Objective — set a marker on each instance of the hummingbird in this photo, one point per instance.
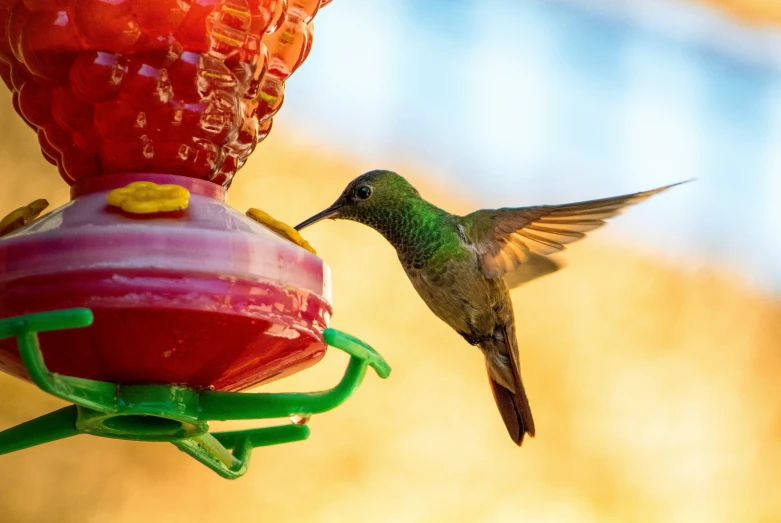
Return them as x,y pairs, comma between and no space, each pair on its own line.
463,266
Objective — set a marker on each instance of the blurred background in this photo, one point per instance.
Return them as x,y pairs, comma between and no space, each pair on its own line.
652,361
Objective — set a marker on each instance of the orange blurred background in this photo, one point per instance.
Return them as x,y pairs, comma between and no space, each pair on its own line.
654,387
761,12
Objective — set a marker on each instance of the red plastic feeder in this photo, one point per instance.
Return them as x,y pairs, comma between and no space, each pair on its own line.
146,305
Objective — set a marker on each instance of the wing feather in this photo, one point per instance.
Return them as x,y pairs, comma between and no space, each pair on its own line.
506,238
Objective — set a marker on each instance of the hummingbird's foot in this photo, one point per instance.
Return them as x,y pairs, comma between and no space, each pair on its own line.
474,339
281,228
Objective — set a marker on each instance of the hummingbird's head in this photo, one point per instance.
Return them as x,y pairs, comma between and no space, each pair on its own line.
368,199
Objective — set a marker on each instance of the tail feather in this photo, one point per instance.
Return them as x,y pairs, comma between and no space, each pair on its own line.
513,404
515,411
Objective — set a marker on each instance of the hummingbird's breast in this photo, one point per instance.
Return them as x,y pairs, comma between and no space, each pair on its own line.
443,266
455,290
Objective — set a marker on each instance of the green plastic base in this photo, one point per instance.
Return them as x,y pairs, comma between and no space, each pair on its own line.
169,413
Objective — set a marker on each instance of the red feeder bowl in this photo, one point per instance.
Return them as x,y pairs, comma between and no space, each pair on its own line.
205,297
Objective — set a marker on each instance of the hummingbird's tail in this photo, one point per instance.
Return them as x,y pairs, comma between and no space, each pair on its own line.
504,375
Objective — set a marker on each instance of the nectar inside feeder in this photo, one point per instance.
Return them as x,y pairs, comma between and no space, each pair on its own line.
146,300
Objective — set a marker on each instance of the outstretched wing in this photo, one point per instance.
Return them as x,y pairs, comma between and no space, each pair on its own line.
507,238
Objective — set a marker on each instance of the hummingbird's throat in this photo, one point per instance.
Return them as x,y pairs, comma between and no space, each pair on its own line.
417,230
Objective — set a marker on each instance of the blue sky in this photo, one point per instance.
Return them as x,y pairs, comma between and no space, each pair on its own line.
524,102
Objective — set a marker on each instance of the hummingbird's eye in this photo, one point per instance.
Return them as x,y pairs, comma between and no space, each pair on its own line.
363,192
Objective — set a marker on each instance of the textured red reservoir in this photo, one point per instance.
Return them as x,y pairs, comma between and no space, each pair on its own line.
174,86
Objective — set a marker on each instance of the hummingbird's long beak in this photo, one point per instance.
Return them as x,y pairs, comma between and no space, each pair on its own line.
322,215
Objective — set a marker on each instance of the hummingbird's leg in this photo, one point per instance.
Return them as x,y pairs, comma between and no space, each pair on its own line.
471,339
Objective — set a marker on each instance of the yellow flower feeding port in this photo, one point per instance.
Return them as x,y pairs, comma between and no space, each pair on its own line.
149,198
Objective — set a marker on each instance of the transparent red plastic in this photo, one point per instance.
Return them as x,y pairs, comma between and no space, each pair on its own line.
186,87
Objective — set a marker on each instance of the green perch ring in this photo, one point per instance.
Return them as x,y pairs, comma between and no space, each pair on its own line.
170,413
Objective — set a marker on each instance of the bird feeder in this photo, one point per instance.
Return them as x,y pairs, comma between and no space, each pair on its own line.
147,301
